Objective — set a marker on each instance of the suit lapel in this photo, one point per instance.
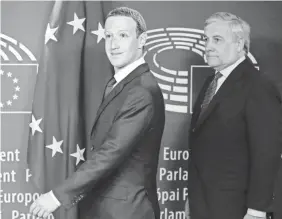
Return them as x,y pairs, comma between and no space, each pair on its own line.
226,88
119,87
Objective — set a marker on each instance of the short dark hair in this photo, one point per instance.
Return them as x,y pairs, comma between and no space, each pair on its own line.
135,15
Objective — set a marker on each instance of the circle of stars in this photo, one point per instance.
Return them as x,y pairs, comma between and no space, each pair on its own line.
16,88
51,36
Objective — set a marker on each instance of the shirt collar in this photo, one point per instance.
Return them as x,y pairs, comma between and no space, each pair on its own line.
226,72
121,74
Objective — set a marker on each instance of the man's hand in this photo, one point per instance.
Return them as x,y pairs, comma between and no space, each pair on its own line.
248,216
43,206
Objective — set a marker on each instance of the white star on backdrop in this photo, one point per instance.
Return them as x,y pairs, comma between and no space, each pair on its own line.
77,23
1,72
17,88
15,80
34,125
9,74
1,105
55,146
78,154
100,33
9,103
49,34
15,97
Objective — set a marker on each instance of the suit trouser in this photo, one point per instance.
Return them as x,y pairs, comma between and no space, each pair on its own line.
208,203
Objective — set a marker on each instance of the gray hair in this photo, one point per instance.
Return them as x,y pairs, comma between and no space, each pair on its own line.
135,15
239,27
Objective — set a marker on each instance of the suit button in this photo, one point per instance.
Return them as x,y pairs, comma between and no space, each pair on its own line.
193,130
92,148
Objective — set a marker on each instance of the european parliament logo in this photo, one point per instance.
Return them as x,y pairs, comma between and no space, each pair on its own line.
18,71
177,59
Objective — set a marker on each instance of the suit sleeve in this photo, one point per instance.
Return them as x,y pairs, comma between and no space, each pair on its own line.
264,130
131,123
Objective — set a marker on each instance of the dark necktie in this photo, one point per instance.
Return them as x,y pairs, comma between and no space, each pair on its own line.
109,86
210,92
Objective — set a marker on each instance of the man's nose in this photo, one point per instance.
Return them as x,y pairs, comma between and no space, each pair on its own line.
208,46
114,43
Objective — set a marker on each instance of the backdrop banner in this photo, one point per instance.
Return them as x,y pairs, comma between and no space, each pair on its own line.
40,63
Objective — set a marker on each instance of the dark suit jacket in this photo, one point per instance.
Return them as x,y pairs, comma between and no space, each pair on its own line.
277,206
118,179
236,144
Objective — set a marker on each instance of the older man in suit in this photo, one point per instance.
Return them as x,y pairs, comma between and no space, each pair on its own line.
236,130
118,179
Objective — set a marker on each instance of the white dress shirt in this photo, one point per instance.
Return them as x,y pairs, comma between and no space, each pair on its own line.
225,73
121,74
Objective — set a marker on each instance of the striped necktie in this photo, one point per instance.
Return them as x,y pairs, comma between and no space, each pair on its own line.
210,92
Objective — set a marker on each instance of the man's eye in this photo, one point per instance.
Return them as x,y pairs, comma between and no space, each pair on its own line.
123,35
217,40
205,39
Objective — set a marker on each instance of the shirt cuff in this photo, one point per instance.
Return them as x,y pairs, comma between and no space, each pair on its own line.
256,213
54,198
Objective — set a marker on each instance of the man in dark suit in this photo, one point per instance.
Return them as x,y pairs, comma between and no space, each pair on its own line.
236,130
118,179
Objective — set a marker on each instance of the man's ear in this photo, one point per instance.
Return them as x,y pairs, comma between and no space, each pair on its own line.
240,44
142,40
